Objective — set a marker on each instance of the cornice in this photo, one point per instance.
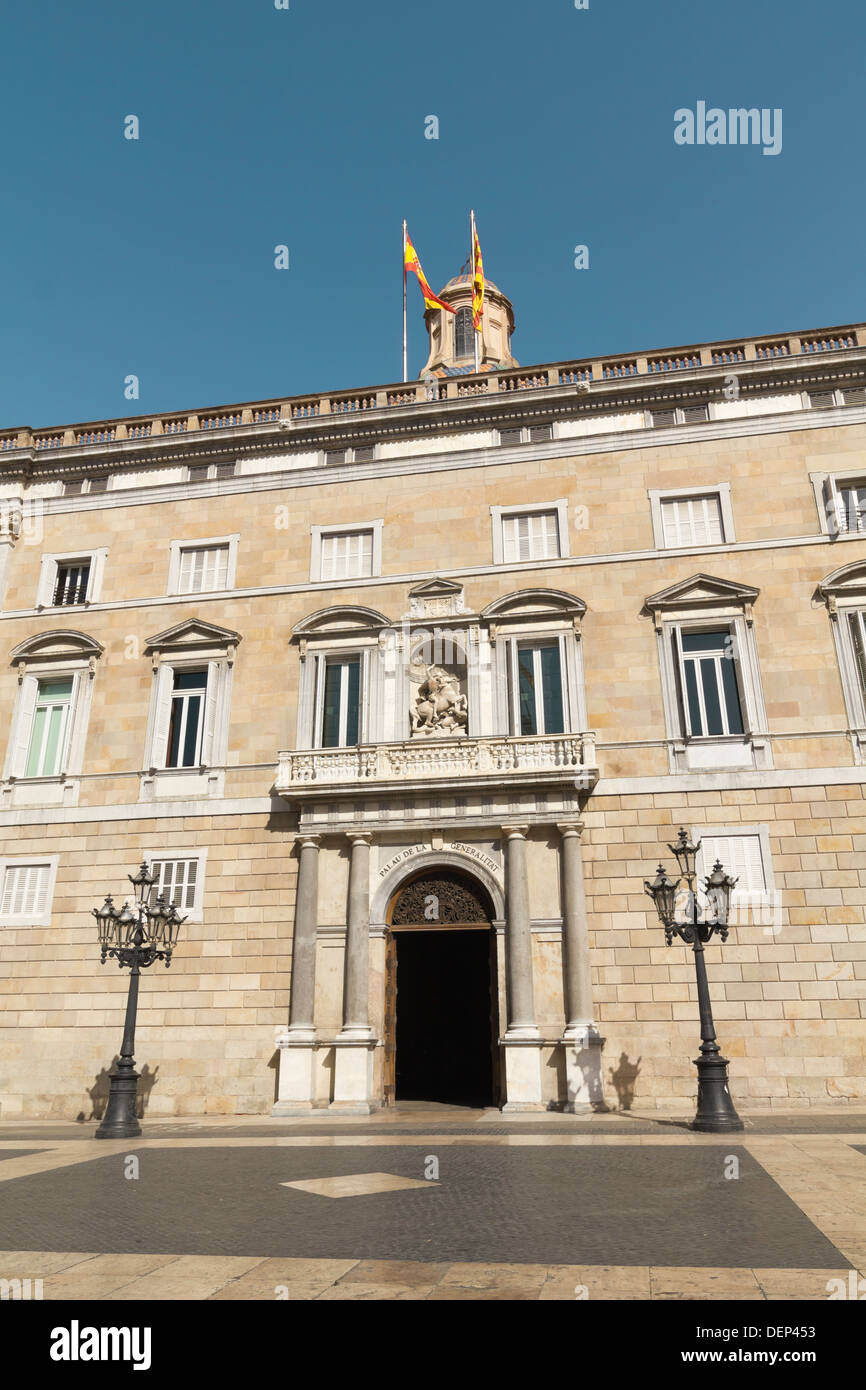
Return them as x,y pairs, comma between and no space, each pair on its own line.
647,437
419,417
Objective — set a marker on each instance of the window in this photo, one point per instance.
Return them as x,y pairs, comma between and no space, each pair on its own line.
692,516
663,418
49,735
537,688
851,509
531,536
347,555
205,566
464,334
71,579
45,749
844,592
537,433
70,586
709,682
340,701
26,891
512,435
180,876
201,472
175,882
346,552
692,520
203,569
857,630
523,533
186,724
186,742
714,709
537,666
745,855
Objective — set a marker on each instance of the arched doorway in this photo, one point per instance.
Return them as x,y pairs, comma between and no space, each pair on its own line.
441,1015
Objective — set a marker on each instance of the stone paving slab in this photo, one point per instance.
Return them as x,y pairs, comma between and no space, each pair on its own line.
628,1204
89,1277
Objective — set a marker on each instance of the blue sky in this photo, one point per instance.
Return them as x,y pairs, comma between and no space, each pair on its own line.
306,127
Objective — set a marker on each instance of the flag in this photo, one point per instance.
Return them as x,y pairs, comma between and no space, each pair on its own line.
411,262
477,280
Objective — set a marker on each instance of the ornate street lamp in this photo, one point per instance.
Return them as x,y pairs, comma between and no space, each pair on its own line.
680,915
137,936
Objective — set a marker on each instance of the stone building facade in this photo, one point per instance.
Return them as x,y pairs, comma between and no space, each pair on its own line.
403,692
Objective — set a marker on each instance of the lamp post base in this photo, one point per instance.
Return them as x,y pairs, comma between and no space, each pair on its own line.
715,1112
119,1121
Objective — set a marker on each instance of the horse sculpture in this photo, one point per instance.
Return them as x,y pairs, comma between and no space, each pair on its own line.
439,705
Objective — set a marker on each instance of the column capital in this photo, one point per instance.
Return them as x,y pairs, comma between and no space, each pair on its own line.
359,837
571,827
519,831
303,839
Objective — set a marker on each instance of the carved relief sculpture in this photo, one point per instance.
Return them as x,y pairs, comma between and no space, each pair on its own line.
439,707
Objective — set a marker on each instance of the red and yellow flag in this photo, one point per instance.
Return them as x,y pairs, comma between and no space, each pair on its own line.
477,281
411,262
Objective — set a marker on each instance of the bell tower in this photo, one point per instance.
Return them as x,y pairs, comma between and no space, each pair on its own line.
452,347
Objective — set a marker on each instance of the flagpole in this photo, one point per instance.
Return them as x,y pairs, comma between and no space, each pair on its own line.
405,359
472,281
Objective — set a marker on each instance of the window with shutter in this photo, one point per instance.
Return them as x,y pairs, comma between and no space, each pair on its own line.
176,881
662,418
203,569
742,856
511,436
25,890
692,521
530,536
347,555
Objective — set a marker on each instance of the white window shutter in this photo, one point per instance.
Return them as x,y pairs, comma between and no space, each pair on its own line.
20,740
162,715
47,580
834,508
71,729
210,707
681,669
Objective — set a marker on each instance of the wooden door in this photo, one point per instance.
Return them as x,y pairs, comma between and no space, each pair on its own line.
390,1061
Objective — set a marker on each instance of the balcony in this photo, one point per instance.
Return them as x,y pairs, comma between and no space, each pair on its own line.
448,764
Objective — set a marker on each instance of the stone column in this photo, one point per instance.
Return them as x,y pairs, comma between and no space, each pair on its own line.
581,1039
522,1042
353,1060
297,1045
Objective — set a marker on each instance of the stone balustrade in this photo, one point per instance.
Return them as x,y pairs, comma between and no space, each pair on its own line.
547,757
408,396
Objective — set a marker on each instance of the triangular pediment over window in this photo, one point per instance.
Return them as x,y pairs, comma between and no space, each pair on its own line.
534,603
57,645
192,634
341,619
849,582
702,591
435,588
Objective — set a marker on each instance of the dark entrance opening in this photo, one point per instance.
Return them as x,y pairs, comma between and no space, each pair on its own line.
444,1018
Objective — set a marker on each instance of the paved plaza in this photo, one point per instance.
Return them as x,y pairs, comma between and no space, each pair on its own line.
425,1202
